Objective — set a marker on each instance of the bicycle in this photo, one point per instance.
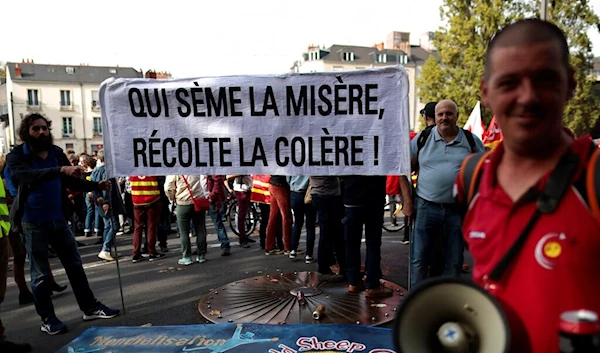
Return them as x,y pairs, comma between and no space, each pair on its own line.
252,218
391,223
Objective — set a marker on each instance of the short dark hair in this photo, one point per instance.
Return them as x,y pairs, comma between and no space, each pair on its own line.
26,123
524,32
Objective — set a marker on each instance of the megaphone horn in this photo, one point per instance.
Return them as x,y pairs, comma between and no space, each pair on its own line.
450,315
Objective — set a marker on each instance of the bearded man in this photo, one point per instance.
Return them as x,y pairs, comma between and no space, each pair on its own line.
43,174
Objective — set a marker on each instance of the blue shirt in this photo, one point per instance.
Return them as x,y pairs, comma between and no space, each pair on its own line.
12,189
44,203
298,183
439,164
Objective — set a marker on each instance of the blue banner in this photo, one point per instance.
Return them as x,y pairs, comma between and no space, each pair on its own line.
219,338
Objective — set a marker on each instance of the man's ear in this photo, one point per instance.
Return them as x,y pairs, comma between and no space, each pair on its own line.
484,91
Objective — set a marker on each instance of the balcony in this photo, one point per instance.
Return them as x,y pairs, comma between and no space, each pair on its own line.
97,133
34,106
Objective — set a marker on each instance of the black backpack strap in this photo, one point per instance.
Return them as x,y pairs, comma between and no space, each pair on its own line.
559,182
421,141
469,136
592,181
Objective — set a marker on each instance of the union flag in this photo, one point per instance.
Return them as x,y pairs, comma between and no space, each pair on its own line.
493,135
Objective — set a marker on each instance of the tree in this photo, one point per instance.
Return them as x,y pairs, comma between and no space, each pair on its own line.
461,45
575,18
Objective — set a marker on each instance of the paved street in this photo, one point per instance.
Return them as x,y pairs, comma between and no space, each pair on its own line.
162,292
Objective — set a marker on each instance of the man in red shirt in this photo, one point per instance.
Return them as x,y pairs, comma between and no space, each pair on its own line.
527,84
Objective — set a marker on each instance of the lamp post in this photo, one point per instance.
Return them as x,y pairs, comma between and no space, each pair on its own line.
544,10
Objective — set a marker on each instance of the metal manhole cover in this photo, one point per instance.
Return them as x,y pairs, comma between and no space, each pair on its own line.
274,299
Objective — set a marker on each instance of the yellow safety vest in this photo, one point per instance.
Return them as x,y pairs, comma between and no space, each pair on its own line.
4,215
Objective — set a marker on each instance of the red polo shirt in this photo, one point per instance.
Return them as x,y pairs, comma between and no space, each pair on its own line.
558,268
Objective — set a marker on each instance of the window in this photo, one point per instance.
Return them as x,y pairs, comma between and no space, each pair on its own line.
313,55
33,98
112,71
67,127
348,56
70,70
381,58
65,99
69,146
97,126
95,100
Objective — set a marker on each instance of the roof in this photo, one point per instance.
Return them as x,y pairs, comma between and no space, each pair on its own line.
419,55
58,73
362,55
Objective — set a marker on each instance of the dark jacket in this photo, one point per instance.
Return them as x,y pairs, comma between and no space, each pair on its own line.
362,190
279,180
24,177
216,189
113,197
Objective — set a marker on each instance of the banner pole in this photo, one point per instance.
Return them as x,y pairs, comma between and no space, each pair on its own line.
119,276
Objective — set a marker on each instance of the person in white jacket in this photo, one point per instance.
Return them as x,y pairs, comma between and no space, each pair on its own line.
180,189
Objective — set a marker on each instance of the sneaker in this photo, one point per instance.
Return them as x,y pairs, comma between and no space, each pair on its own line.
356,289
137,258
404,241
293,254
105,255
53,326
273,252
12,347
379,292
226,252
156,256
244,245
100,312
309,259
286,252
164,248
185,261
201,259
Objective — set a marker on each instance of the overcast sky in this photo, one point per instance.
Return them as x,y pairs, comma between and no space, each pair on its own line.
201,38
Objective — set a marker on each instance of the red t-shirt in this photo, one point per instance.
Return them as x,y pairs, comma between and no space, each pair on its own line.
558,268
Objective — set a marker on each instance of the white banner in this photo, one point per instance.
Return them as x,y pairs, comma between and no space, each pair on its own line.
334,123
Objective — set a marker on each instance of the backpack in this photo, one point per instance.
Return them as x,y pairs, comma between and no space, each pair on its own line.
470,173
427,132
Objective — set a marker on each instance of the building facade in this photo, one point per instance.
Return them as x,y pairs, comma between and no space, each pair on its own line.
66,95
396,50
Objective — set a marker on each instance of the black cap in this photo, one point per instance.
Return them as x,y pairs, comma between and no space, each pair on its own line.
429,110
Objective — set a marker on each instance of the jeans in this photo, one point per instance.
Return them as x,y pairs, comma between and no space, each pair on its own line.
371,216
37,236
243,202
330,211
185,217
300,211
90,212
111,227
430,219
280,205
217,217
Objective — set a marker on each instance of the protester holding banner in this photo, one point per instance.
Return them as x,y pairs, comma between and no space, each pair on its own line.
216,195
43,174
532,218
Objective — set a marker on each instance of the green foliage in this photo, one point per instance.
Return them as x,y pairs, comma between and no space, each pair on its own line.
470,24
575,18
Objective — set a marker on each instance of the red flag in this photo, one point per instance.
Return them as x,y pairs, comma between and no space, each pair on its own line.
493,136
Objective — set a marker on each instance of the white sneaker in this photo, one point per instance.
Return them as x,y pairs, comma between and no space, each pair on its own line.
293,254
105,255
309,259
